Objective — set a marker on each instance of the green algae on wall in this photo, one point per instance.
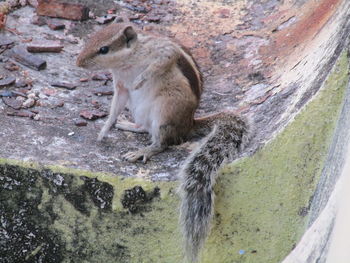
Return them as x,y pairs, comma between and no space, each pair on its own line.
263,200
62,217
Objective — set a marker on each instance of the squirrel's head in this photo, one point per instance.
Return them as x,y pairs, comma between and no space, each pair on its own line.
108,47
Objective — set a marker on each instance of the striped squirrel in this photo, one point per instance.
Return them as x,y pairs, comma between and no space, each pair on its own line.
162,84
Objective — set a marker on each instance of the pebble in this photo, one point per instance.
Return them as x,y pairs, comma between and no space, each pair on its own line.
65,85
30,102
12,102
11,66
80,123
103,91
38,20
22,113
6,93
92,114
55,24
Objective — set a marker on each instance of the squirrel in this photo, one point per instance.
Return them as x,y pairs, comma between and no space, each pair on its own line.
162,83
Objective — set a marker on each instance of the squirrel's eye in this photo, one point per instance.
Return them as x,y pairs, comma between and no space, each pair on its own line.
104,50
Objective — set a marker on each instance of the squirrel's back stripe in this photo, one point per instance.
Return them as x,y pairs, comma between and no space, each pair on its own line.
189,68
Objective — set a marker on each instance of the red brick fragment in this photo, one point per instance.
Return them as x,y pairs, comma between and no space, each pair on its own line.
22,113
21,55
80,123
45,46
92,114
55,24
54,8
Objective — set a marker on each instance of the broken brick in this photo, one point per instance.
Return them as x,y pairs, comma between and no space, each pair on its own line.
12,102
54,8
80,123
55,24
11,66
21,55
92,114
45,46
7,81
64,85
21,113
103,91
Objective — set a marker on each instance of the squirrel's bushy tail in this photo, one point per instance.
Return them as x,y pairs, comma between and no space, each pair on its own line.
228,136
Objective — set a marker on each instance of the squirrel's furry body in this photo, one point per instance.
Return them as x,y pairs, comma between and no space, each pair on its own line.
162,85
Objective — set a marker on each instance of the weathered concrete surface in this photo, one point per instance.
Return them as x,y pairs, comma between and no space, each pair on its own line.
266,59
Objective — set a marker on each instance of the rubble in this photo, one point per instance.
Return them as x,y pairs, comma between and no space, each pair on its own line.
80,123
64,85
103,91
21,55
12,102
21,113
55,24
11,66
54,8
38,20
45,46
92,114
30,102
7,81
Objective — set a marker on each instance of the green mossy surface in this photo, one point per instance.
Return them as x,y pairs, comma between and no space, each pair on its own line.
261,206
263,201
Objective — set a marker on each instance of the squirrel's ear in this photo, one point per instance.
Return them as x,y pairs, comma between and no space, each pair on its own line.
130,35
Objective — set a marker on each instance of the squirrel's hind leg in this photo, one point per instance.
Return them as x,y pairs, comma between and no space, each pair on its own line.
164,135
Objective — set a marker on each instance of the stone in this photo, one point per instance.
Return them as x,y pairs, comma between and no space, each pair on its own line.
49,92
20,83
12,102
33,3
7,81
64,85
102,91
80,123
22,113
11,66
30,102
55,24
45,46
4,41
38,20
100,76
153,18
21,55
54,8
92,114
6,93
